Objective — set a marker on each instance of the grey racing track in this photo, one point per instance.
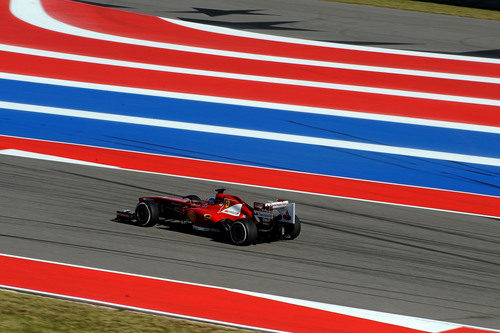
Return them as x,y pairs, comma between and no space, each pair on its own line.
395,259
410,261
333,22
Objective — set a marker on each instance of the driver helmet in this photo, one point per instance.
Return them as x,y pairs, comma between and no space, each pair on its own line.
211,201
219,197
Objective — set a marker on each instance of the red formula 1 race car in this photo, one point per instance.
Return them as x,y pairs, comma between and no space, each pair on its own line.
226,214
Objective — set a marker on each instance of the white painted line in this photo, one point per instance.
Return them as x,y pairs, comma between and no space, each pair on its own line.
27,154
421,324
256,104
254,78
254,134
218,181
32,12
255,35
427,325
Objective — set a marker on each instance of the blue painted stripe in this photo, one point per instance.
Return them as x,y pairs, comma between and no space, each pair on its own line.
333,127
314,159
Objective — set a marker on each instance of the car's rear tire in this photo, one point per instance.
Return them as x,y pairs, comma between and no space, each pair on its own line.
292,231
243,232
147,213
279,231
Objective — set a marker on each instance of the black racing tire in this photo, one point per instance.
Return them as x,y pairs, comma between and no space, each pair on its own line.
243,232
279,231
224,227
147,213
193,197
292,231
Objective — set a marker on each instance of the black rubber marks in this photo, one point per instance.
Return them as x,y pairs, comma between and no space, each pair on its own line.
100,4
223,12
274,25
254,25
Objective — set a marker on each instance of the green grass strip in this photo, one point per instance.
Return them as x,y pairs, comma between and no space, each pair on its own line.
427,7
21,312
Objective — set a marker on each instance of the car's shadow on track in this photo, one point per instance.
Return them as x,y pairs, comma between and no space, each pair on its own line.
186,228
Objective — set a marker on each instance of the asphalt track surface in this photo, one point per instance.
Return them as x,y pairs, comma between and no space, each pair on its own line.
394,259
388,258
333,22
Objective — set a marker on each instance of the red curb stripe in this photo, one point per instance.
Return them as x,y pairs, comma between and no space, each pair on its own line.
112,21
304,73
249,90
280,179
180,298
47,40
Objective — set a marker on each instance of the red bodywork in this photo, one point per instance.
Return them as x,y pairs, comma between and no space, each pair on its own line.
225,213
203,213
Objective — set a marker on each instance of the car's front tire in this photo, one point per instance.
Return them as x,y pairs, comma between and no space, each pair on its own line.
243,232
147,213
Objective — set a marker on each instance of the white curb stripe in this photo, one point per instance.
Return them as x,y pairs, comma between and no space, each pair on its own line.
53,158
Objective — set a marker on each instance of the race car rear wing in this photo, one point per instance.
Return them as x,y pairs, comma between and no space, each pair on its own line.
264,211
